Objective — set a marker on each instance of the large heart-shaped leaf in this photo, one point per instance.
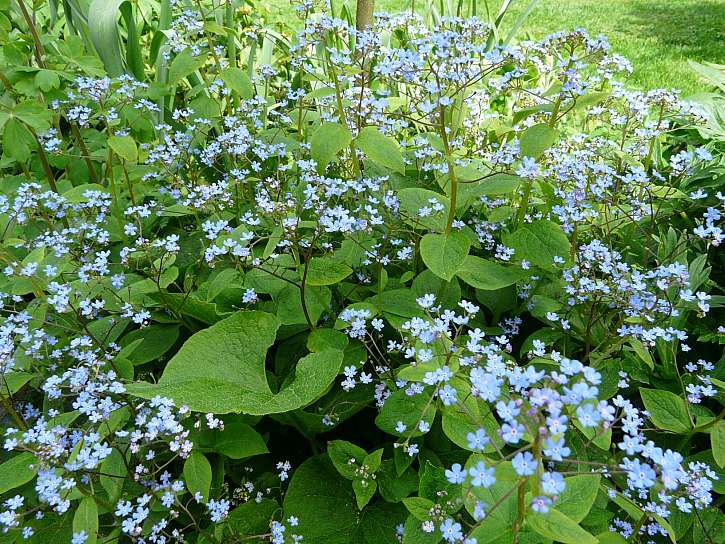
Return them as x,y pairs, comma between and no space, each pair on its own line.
380,148
537,139
667,410
539,242
326,507
198,474
326,271
444,254
17,471
488,275
327,141
559,527
221,369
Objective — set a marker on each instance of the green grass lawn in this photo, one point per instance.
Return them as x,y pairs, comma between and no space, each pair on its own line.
657,36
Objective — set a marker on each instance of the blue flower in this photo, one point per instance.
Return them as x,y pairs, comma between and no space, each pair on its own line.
451,530
541,504
448,395
478,440
456,475
512,433
481,476
588,415
552,483
556,449
524,464
639,475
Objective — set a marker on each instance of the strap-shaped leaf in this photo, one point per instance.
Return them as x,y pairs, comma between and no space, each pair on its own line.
103,28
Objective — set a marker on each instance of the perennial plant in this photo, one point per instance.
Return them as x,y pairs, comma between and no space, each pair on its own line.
406,284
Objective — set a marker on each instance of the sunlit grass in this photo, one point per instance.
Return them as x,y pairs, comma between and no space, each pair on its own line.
658,36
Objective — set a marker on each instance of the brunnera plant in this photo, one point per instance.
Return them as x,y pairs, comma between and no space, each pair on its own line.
401,284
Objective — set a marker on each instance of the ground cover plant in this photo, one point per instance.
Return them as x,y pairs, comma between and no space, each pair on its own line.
422,282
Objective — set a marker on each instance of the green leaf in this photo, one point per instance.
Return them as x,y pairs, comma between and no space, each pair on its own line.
34,114
419,507
18,470
189,305
498,184
473,184
413,533
502,492
537,139
229,278
410,410
197,474
325,504
233,377
47,80
184,64
76,195
642,352
11,382
414,199
124,147
323,501
113,474
321,339
373,460
103,30
395,486
17,140
346,457
402,460
156,340
364,491
488,275
289,304
710,522
238,440
399,302
252,517
238,81
469,416
86,519
711,72
326,142
444,255
667,410
717,439
447,293
539,242
559,527
326,271
578,496
630,507
610,538
602,440
493,532
380,148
